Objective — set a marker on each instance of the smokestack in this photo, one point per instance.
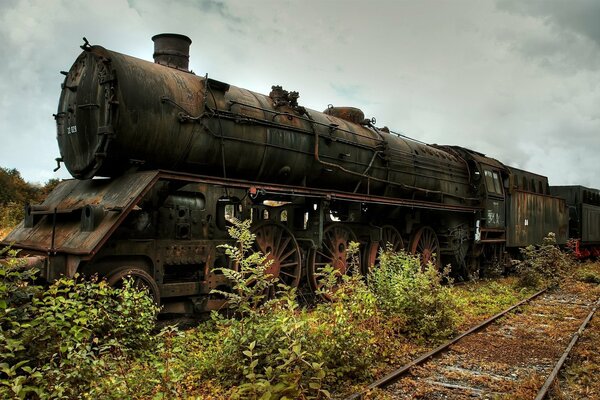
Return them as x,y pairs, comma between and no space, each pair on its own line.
172,50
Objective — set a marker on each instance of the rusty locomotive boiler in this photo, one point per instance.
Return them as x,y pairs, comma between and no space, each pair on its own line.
175,156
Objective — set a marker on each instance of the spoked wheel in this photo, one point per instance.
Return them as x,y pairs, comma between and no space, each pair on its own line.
334,251
390,238
141,280
425,243
280,246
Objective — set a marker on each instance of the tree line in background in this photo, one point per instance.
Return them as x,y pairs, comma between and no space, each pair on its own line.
15,193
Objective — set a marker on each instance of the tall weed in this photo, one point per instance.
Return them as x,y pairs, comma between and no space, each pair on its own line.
543,265
424,307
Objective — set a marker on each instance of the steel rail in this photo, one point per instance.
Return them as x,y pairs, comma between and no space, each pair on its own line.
544,390
394,375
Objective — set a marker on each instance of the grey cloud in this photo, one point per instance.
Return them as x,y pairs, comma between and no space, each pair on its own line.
580,16
563,37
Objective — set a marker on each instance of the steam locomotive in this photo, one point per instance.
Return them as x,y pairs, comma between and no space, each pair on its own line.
176,157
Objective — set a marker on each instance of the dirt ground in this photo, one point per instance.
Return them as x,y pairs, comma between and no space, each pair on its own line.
579,378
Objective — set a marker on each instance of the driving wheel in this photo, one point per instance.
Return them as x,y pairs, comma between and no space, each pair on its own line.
141,280
333,251
278,243
390,240
426,245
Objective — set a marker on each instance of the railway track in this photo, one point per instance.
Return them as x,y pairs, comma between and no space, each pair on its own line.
514,354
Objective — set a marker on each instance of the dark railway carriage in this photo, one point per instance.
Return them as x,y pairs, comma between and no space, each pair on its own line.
176,156
533,210
584,218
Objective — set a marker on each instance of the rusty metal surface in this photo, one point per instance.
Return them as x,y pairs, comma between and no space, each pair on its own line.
528,181
172,50
576,194
532,216
116,110
495,212
475,155
115,198
316,193
351,114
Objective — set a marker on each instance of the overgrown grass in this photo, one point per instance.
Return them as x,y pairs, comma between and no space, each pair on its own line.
272,348
588,272
482,299
543,265
84,339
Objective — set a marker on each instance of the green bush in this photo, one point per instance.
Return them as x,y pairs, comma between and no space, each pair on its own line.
277,349
18,375
543,265
53,340
414,296
162,372
343,335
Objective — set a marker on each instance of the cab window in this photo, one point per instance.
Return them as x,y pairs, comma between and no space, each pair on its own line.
497,185
492,181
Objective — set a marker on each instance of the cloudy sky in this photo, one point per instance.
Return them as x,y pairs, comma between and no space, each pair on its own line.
518,80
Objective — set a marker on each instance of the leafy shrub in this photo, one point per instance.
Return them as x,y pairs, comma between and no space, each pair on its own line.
277,349
17,373
52,340
250,281
542,265
424,307
15,192
343,336
159,373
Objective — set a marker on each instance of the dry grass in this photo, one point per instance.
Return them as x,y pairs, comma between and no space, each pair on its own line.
579,377
4,232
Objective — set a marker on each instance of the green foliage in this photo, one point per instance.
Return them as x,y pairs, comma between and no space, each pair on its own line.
83,339
52,341
543,265
486,298
278,350
158,373
11,214
250,282
588,274
345,328
424,308
14,188
15,192
18,375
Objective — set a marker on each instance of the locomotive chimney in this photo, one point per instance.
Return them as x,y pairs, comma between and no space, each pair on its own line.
172,50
